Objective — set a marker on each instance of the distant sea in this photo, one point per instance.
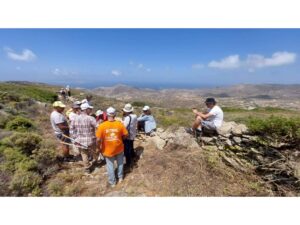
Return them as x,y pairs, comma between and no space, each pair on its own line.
139,85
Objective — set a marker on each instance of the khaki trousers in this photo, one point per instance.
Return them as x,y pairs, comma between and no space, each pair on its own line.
86,153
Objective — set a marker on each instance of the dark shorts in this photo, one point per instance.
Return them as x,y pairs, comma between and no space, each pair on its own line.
209,125
62,138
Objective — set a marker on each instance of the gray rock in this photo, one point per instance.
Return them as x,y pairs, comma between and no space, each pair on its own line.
237,140
158,142
228,142
239,129
207,139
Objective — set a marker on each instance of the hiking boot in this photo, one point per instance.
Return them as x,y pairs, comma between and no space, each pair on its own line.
121,180
189,130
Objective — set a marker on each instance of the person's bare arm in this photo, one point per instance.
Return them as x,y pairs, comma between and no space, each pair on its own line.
202,115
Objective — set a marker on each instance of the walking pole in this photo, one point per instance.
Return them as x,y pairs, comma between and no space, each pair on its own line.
81,145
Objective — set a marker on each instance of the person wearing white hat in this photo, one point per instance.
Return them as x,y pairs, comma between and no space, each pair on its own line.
100,117
82,130
130,122
110,135
146,121
61,128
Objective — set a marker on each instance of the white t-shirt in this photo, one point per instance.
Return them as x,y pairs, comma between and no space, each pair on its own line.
57,118
216,116
72,116
132,127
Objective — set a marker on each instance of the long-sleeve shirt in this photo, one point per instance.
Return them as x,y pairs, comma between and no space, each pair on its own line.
150,123
83,128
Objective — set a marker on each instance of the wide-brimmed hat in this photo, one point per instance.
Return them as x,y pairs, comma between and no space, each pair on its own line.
85,106
128,108
146,108
59,104
111,111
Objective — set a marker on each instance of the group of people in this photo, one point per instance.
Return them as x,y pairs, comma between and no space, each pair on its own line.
100,134
65,92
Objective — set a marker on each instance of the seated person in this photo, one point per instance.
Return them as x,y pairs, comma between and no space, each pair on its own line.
210,121
146,121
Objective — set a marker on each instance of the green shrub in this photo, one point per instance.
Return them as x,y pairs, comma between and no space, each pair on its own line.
276,128
12,157
20,124
25,182
139,104
45,157
25,142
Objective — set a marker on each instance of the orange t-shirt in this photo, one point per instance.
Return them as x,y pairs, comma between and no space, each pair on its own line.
111,133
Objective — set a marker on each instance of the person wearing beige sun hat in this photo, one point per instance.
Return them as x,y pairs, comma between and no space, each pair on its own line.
61,128
130,122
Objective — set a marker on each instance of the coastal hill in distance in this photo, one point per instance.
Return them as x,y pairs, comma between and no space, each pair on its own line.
242,95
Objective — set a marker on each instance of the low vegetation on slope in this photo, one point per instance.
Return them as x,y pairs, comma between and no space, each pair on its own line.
28,164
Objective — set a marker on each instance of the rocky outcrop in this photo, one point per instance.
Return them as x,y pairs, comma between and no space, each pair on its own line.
241,150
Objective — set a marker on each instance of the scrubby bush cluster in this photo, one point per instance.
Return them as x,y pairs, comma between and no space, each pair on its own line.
20,124
25,162
278,129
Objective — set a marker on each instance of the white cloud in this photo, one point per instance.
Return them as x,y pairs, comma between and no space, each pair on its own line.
18,68
62,72
254,61
26,55
131,62
116,73
230,62
140,66
277,59
148,70
197,66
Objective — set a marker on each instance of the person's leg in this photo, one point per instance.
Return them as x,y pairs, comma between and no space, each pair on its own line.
85,157
110,170
127,152
197,123
120,162
133,154
141,126
94,153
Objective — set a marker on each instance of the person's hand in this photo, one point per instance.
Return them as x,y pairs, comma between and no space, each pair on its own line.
195,111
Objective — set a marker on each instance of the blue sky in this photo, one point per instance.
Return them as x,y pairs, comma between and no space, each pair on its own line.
150,57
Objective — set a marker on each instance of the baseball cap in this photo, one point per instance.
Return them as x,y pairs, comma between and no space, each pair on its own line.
99,112
146,108
59,104
111,111
85,106
128,108
75,106
210,100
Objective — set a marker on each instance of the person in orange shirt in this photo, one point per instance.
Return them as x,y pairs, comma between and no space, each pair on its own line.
110,135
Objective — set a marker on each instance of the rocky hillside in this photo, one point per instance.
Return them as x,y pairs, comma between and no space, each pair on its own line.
259,160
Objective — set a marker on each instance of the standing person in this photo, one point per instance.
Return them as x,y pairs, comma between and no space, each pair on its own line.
61,129
83,132
100,117
110,135
130,122
63,93
68,90
87,99
211,120
74,111
146,121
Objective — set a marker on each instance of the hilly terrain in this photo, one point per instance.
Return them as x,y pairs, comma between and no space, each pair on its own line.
256,154
243,96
